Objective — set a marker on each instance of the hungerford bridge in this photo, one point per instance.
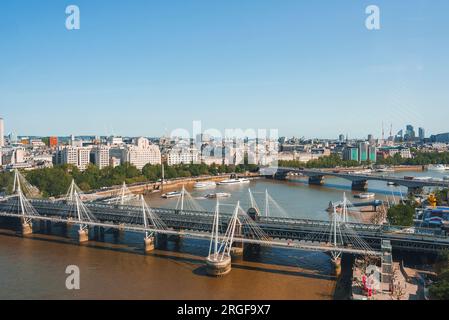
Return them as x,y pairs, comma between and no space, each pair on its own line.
358,181
227,232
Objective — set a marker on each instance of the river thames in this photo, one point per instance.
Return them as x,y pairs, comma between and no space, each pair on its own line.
114,267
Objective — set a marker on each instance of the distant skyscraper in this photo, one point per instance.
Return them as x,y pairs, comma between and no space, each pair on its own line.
422,134
409,133
2,133
341,137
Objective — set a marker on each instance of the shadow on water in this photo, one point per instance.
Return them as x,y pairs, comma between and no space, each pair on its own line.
191,251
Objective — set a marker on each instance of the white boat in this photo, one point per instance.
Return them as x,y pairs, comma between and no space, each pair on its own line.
367,195
385,170
233,181
204,185
438,167
422,178
171,194
391,183
218,195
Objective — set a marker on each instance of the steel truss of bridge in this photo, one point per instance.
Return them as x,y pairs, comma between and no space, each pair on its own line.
283,232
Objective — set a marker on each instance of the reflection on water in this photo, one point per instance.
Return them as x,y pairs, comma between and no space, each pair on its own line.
113,264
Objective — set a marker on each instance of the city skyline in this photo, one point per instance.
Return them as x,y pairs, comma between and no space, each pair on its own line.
418,133
146,69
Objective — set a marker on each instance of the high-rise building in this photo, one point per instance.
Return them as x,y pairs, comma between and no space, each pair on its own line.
100,156
77,156
2,133
363,151
351,153
421,134
341,137
409,133
53,142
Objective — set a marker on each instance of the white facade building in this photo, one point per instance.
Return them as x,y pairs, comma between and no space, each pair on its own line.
2,133
183,156
77,156
141,153
101,156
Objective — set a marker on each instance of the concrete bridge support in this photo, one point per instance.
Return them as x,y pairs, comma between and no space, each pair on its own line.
149,243
161,240
359,185
316,180
83,235
27,228
218,267
337,266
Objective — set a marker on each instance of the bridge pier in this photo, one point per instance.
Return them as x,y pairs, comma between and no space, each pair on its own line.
359,185
336,262
27,228
217,267
83,235
149,243
161,240
316,180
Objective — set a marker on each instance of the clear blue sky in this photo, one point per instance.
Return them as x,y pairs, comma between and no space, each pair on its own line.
307,68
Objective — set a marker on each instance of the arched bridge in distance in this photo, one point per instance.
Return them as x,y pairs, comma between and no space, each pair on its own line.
358,181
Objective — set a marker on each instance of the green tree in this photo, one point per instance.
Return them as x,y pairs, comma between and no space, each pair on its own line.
440,289
401,215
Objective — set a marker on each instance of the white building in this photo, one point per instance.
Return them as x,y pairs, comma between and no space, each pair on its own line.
77,156
115,141
100,156
183,156
141,153
2,133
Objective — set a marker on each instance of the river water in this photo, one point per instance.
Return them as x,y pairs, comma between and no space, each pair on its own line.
113,266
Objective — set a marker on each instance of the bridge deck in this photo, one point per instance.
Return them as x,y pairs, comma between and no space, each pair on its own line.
286,229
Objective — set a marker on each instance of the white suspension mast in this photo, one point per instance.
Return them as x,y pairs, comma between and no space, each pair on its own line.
122,198
266,203
214,234
144,212
16,175
335,227
182,197
230,239
78,209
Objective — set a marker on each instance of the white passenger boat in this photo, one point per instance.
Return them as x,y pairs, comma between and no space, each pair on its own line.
438,167
172,194
205,185
233,181
366,195
422,178
218,195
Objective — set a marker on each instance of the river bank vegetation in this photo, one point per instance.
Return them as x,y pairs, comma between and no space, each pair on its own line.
401,215
335,160
56,181
439,290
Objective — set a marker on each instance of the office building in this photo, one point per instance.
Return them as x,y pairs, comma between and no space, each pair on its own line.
100,156
2,133
77,156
